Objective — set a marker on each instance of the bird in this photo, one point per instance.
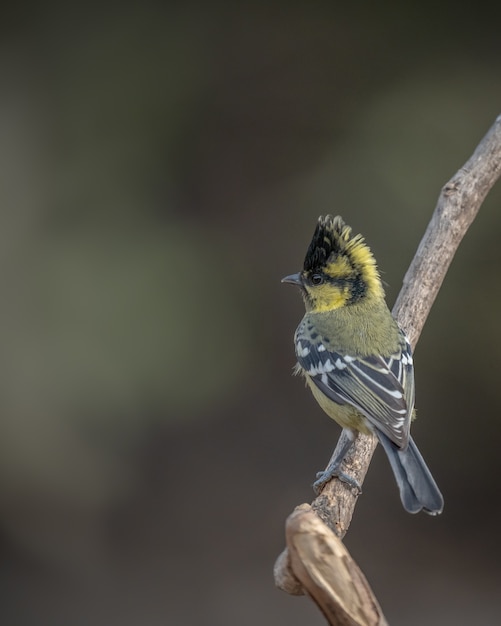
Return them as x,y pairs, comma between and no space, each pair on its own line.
357,361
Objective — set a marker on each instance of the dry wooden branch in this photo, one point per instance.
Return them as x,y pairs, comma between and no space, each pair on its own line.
326,570
458,204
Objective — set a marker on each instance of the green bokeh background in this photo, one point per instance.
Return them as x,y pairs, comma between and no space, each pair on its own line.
163,165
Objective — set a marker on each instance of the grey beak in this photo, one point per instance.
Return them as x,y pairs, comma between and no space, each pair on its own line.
293,279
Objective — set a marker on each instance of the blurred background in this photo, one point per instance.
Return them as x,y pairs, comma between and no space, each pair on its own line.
163,165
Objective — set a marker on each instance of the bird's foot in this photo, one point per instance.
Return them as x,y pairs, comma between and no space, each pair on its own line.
324,477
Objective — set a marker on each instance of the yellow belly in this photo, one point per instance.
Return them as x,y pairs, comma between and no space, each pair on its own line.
344,414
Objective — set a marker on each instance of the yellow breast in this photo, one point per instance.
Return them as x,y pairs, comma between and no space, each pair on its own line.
344,414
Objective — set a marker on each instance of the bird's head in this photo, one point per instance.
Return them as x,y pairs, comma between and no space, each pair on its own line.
339,270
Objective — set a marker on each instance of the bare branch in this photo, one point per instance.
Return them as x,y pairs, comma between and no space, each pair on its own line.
458,204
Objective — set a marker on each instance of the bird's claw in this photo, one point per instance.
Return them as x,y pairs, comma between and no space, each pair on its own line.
324,477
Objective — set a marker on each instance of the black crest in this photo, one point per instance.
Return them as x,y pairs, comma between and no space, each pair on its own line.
329,239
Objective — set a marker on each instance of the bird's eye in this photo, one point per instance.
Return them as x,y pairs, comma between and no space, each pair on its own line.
317,279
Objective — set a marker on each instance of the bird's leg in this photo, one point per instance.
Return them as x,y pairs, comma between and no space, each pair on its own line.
333,469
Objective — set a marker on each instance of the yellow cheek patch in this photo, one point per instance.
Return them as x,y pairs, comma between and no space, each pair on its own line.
327,297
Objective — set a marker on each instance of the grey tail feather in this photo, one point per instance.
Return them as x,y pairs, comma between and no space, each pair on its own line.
418,489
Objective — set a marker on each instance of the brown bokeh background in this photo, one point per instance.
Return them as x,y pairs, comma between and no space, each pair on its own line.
163,165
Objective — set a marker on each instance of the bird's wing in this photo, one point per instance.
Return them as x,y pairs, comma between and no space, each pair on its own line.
381,388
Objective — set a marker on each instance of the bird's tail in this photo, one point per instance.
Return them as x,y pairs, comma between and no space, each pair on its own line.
418,489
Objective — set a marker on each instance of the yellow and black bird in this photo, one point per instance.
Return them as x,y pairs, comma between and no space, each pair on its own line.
357,361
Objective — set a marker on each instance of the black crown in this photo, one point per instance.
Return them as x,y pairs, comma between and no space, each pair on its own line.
328,241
